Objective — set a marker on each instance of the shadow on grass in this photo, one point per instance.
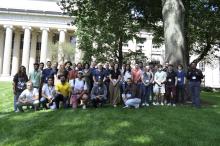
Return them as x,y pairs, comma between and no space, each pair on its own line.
108,126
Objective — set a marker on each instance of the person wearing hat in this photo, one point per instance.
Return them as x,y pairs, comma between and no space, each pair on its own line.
79,91
35,76
99,94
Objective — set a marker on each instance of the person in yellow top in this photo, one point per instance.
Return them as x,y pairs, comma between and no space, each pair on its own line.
63,91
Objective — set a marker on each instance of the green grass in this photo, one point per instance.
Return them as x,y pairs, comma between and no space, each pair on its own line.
160,126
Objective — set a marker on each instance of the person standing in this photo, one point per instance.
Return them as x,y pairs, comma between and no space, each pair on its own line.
47,72
35,76
159,87
181,81
136,77
195,77
114,87
147,80
170,86
19,85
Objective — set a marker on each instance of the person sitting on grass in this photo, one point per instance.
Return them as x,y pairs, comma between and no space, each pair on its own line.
130,95
29,97
48,94
79,91
99,94
63,91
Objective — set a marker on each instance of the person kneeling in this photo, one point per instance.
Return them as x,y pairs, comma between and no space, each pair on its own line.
48,94
29,97
99,94
79,91
130,95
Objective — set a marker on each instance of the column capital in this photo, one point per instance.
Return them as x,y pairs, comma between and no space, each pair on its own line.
26,27
45,28
8,26
62,29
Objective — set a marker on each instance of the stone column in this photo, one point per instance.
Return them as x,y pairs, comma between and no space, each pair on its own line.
62,38
7,50
44,39
16,53
50,41
26,47
2,37
33,51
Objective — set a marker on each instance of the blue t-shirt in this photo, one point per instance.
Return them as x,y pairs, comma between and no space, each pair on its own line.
99,74
48,72
180,77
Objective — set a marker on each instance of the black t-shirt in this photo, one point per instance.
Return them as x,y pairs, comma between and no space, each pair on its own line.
20,82
170,80
114,75
195,75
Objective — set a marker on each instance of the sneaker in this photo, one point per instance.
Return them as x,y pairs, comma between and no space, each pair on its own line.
136,106
174,105
126,106
84,106
154,103
143,104
157,103
168,104
114,105
147,104
17,111
162,104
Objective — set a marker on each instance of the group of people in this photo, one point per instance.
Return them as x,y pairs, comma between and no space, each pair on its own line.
81,85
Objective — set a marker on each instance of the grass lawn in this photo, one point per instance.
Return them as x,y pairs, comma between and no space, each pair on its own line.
160,126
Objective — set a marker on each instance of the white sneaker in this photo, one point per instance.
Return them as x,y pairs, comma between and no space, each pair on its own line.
174,105
157,103
143,104
168,104
115,105
154,103
147,104
136,106
162,104
84,106
126,106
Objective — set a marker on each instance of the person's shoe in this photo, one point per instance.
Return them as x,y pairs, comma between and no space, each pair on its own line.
114,105
136,106
17,111
154,103
162,104
157,103
84,106
143,104
126,106
174,105
147,104
168,104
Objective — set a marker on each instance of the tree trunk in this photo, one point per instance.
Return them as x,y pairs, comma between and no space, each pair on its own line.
120,55
173,18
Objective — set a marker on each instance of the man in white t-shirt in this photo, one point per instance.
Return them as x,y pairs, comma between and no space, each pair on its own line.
79,91
159,87
29,97
48,94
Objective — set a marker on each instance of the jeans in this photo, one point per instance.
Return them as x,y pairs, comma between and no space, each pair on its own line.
180,93
58,98
146,94
133,102
16,96
195,93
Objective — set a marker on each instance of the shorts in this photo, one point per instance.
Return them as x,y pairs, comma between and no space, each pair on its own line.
159,89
